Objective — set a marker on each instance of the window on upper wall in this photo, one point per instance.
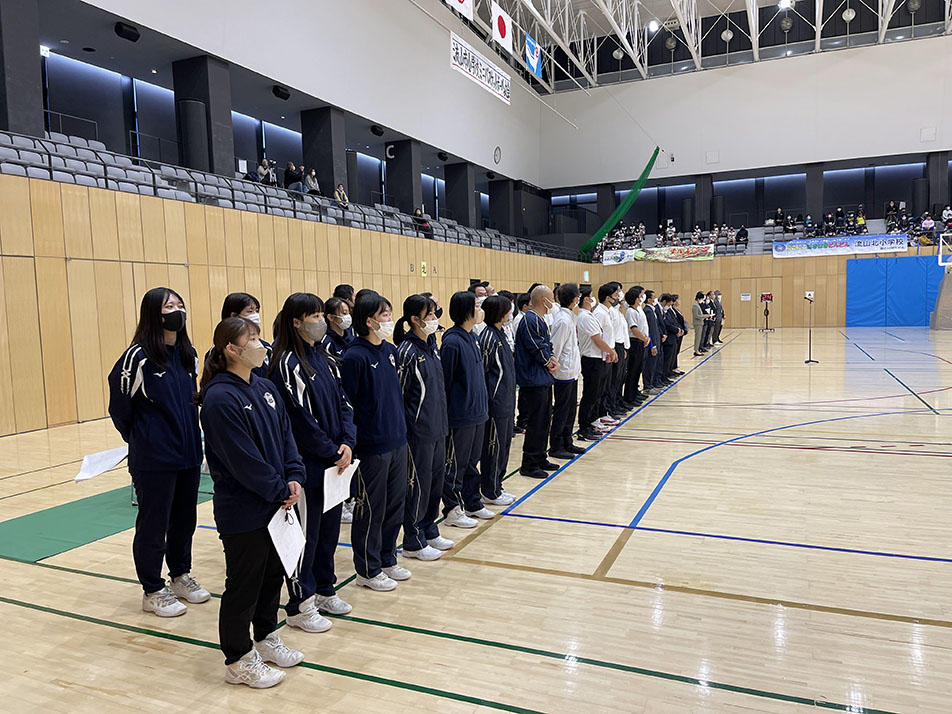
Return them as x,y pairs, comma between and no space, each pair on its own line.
894,183
789,193
246,132
428,191
740,202
368,180
844,188
156,135
281,146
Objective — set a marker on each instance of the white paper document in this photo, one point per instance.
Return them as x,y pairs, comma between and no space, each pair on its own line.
337,486
101,462
288,538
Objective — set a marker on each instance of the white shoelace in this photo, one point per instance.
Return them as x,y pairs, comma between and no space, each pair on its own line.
188,582
165,597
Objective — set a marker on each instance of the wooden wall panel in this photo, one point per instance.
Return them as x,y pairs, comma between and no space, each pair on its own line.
195,239
16,219
278,253
215,235
154,243
76,226
52,300
202,310
102,219
85,342
257,235
8,423
176,244
116,317
232,222
129,220
46,206
26,354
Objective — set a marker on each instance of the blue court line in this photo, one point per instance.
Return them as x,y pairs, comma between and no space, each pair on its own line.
856,345
911,391
896,336
562,468
718,536
664,479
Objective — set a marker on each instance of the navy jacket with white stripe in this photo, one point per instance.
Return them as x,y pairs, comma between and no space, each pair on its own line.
151,406
533,352
321,417
500,370
424,394
466,401
250,451
369,377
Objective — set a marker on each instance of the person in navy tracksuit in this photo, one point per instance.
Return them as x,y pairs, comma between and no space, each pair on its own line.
467,408
500,371
150,402
257,471
339,331
424,402
322,422
534,367
369,377
246,306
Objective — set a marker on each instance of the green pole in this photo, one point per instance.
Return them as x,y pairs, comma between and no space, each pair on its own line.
585,252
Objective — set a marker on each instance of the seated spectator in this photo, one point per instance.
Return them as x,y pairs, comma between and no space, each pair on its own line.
311,184
892,210
731,235
696,235
713,235
947,215
340,195
293,177
266,173
861,211
903,221
809,227
672,234
927,227
788,225
892,223
829,225
743,236
778,217
840,217
422,224
861,224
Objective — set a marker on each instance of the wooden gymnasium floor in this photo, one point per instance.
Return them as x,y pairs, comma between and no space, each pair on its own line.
762,537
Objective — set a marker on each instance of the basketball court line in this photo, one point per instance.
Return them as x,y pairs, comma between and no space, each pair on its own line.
656,674
800,447
856,345
894,336
689,429
671,469
911,391
42,468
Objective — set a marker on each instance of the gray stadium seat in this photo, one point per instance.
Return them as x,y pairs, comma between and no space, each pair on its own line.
12,169
85,180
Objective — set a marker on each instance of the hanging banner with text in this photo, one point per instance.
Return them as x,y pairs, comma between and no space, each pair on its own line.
671,254
468,61
842,245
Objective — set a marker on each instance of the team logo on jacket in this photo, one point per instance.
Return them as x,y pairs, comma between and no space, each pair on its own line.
269,399
393,362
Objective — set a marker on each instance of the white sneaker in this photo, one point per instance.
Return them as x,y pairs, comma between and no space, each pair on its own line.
483,513
347,512
441,543
272,649
611,421
187,588
308,618
427,553
252,670
397,572
505,499
379,582
601,428
331,604
163,603
457,518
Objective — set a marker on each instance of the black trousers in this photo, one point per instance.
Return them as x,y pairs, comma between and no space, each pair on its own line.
670,352
378,510
593,372
648,370
494,458
716,337
565,403
539,418
425,475
461,487
253,579
165,524
521,413
618,377
706,335
322,532
677,351
636,360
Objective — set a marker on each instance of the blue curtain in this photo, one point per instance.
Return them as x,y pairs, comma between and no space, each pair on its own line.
891,292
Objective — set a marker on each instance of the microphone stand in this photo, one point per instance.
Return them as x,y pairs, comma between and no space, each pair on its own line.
809,359
766,327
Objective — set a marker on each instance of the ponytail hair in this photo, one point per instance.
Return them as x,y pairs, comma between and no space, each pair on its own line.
228,332
414,306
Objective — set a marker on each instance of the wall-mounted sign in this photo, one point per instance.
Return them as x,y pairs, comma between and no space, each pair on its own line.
745,297
466,60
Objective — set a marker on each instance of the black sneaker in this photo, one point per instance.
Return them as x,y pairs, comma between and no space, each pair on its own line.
573,449
534,473
549,466
587,436
519,430
561,454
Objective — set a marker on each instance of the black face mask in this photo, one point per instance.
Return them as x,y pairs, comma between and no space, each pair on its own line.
174,321
438,312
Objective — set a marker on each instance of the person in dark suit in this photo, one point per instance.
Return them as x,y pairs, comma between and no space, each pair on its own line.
672,331
659,365
653,354
718,318
682,324
707,308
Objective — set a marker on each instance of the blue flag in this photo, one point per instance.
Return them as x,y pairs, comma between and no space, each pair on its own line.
533,57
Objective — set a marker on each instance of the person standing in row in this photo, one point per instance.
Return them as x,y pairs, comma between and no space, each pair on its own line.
534,368
467,407
606,298
622,345
653,355
322,422
638,329
683,330
596,356
565,351
339,333
256,469
424,410
522,305
370,381
150,403
248,307
500,372
718,318
672,331
697,320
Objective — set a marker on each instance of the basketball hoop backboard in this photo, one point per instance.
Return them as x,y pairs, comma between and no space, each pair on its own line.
944,254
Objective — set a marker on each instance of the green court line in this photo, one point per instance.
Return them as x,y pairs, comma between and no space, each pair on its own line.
445,694
603,664
42,534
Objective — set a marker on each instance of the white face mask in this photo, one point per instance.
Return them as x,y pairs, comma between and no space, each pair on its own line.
552,309
385,329
479,301
430,326
345,322
254,317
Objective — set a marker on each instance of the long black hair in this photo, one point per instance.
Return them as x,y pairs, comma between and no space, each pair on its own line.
150,335
235,303
227,332
286,335
366,306
413,306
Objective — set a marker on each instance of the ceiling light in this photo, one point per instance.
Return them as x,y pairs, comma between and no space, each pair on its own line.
785,4
786,24
155,71
44,51
653,26
727,35
282,116
89,49
64,42
848,15
618,54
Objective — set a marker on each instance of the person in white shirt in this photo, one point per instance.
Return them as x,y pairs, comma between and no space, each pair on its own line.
481,290
596,356
565,350
618,338
638,330
606,296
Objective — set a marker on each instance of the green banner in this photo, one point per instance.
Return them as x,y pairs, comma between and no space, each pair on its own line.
585,252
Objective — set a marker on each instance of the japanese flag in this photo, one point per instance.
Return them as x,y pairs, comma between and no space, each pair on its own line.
463,7
502,27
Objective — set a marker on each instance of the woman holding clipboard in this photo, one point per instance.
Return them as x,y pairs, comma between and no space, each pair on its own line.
322,421
256,469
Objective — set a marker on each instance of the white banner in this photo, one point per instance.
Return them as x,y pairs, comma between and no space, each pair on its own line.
842,245
468,61
463,7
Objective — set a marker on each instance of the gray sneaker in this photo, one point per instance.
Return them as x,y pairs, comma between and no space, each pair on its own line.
252,670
